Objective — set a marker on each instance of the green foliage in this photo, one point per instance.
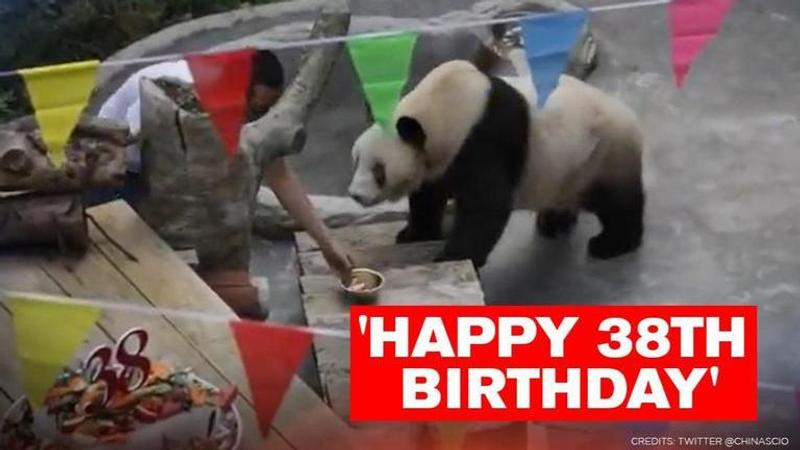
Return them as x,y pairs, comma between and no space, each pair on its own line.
70,30
48,32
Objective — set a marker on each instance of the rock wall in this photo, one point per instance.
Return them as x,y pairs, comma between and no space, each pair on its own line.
339,117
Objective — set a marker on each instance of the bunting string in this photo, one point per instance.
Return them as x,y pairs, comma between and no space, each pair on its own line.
378,34
216,318
158,311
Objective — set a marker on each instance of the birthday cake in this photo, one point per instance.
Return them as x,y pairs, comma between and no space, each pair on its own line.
147,407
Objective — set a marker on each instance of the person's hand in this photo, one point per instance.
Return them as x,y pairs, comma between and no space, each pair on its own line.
338,260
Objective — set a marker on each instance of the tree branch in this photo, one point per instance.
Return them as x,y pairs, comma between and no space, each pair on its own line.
282,130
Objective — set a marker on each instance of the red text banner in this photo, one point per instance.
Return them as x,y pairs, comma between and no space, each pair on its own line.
422,363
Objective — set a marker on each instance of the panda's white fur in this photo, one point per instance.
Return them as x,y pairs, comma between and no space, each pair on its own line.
437,101
573,138
580,136
583,151
376,147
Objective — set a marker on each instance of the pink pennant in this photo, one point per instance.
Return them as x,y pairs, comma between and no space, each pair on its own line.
693,23
221,81
270,355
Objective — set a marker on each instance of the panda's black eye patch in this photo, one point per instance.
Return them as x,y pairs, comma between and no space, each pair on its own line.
379,173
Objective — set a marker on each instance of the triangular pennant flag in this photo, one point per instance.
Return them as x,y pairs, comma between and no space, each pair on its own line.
58,95
451,435
549,40
270,355
47,335
693,24
221,81
383,66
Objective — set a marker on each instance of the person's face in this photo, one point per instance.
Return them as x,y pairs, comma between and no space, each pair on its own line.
262,98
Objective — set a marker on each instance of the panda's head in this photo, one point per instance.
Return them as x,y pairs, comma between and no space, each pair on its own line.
429,127
387,165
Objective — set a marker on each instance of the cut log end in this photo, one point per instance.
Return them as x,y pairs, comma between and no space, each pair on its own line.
15,161
44,219
95,158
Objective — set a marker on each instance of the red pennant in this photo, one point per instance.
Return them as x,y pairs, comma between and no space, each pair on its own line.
270,355
693,23
221,81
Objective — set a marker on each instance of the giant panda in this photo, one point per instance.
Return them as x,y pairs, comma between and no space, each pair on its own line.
480,140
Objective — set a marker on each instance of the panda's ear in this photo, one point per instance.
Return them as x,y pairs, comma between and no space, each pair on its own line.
411,132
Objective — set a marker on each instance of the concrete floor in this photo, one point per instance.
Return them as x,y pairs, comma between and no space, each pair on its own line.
723,182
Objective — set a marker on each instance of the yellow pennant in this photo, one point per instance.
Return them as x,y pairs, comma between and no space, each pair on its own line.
451,435
59,94
47,335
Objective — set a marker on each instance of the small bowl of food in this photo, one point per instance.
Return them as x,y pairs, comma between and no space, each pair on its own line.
364,284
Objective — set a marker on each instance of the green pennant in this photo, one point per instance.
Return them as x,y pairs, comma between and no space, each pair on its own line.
383,64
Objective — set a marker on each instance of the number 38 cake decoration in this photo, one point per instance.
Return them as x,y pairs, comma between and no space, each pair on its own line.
118,399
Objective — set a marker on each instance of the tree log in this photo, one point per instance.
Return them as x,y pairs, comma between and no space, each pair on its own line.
282,131
199,197
95,158
33,219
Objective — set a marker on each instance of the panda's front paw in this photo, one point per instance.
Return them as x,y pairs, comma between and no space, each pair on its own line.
413,234
443,256
607,246
405,235
477,261
552,223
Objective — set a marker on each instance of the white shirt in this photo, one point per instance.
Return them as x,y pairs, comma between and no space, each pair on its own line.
124,104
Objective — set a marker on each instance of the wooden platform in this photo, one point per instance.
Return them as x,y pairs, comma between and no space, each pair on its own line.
411,279
157,278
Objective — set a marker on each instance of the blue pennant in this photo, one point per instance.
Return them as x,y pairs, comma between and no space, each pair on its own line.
549,40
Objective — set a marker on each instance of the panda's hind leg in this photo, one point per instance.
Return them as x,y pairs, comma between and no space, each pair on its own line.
552,223
620,208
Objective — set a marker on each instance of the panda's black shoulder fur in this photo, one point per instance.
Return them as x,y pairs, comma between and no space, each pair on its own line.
482,179
500,137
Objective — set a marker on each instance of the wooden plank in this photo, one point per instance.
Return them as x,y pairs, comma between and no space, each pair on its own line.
450,283
376,258
21,272
93,276
9,365
362,236
161,277
411,278
274,441
164,281
334,371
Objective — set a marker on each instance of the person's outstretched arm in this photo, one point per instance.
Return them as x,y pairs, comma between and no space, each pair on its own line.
282,180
